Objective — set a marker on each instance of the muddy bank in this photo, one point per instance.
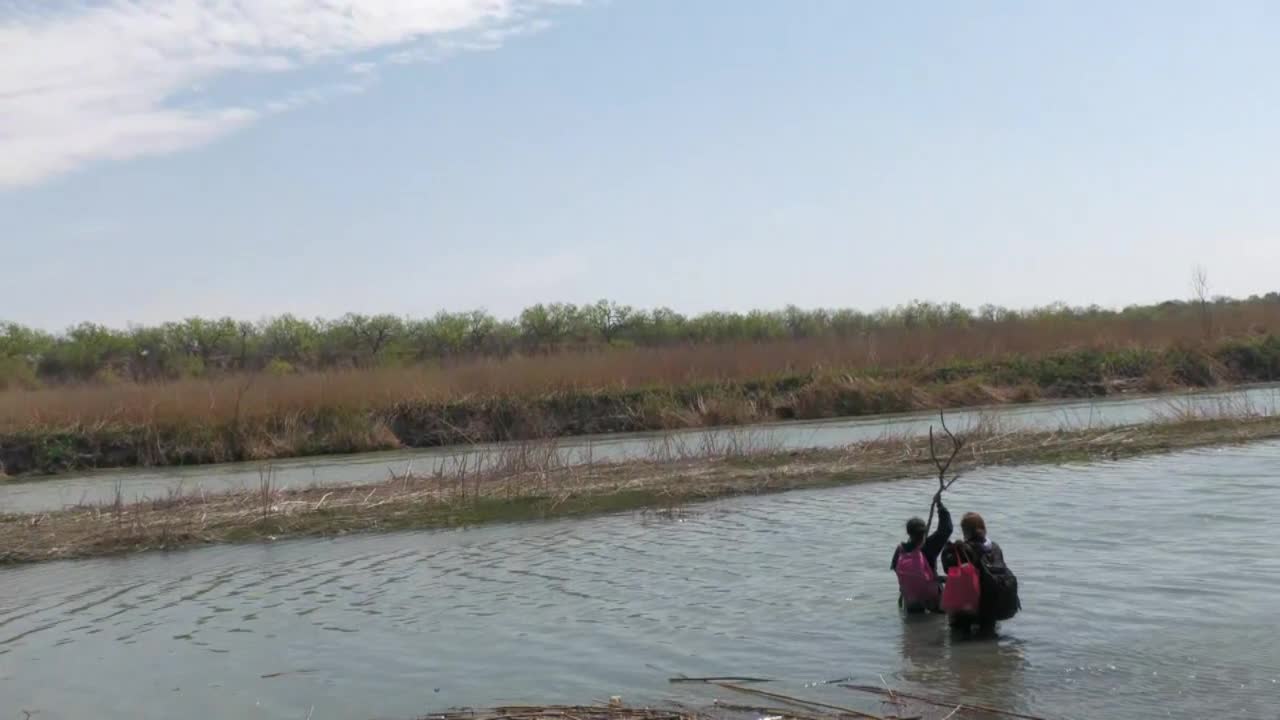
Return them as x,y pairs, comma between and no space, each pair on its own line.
39,449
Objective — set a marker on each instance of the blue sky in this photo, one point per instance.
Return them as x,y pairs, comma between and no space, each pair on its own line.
160,159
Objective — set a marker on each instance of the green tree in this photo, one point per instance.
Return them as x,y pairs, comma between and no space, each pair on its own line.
21,351
608,319
542,327
88,350
290,339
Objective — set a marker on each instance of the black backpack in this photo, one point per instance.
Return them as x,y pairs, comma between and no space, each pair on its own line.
999,590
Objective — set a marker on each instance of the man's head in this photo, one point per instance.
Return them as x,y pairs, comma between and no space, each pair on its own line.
973,527
915,529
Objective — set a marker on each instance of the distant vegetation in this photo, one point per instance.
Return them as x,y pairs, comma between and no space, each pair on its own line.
204,391
919,332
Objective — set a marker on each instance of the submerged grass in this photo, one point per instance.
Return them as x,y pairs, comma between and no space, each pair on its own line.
535,481
264,417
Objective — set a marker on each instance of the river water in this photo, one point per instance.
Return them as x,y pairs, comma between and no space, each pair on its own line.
42,495
1148,584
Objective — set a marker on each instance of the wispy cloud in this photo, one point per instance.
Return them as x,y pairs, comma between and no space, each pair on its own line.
91,80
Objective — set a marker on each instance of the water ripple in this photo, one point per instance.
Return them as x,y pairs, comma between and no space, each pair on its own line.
1148,585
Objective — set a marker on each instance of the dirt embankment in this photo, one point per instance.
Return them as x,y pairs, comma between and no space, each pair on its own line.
336,428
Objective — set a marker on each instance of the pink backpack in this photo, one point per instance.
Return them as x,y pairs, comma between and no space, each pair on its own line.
963,591
916,581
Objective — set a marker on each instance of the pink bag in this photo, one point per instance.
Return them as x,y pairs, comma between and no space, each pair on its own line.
916,581
963,591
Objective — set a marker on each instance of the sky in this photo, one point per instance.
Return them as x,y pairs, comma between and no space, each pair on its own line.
167,158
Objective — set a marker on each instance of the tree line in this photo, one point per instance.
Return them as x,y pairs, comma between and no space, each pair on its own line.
200,346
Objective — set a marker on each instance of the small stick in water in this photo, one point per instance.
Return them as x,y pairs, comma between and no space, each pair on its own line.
726,678
943,703
798,701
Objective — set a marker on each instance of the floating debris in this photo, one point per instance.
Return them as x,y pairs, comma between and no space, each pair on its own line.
894,706
726,678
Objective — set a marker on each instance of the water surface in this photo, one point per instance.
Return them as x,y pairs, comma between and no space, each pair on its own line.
1148,584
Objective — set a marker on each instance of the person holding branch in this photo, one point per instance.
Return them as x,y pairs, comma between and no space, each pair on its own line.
916,562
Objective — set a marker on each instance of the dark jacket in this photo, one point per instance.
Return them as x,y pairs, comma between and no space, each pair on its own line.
978,552
933,544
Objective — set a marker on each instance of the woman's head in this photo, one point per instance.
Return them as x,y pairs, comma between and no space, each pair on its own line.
916,529
973,527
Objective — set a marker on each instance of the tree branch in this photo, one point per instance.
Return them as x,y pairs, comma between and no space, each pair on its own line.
943,484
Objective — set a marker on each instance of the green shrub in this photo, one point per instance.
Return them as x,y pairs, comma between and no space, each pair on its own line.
17,374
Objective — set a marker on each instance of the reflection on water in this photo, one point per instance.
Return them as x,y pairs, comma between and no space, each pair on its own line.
135,484
1148,584
969,669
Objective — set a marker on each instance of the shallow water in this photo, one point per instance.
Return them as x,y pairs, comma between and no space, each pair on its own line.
1148,587
136,484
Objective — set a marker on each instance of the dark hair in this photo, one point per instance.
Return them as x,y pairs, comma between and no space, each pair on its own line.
973,524
915,528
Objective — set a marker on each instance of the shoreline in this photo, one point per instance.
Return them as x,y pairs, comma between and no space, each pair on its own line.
528,483
317,427
1229,407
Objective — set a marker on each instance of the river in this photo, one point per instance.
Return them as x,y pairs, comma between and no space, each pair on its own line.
99,487
1148,584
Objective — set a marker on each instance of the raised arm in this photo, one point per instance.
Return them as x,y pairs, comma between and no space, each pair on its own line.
934,543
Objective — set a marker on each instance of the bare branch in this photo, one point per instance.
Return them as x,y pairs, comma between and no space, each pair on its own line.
957,443
1200,286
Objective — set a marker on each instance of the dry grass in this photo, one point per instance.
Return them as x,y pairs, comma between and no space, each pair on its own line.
224,399
536,480
265,416
1226,407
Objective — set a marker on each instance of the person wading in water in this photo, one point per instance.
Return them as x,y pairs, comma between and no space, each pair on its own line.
916,562
999,596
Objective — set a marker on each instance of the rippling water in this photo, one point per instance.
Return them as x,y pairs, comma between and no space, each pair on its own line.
43,495
1148,588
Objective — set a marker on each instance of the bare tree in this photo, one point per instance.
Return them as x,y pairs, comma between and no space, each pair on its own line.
1200,288
943,466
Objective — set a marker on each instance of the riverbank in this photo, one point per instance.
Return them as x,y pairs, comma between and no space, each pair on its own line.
531,482
262,418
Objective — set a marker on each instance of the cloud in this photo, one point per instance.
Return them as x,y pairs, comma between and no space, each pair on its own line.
86,81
